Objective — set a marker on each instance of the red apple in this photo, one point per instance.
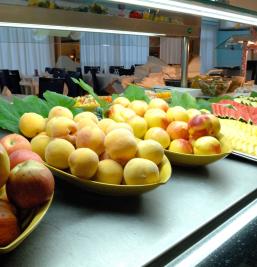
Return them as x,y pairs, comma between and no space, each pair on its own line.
12,142
30,184
21,155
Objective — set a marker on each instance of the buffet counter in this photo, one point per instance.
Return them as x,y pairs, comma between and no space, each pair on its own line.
84,229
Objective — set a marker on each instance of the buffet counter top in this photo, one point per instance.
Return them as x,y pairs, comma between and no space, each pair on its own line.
84,229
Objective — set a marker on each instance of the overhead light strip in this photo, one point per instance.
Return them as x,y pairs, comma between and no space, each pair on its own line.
195,9
70,28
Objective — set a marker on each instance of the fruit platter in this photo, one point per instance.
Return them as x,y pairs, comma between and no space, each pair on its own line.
238,120
26,193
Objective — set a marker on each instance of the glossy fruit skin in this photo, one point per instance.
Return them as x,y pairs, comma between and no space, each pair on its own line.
30,184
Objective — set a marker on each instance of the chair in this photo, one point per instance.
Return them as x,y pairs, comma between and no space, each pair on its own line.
127,72
49,70
74,89
96,85
88,68
14,82
115,69
4,78
59,73
50,84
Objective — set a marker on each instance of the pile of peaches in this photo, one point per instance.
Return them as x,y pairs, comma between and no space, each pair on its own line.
178,130
104,151
25,184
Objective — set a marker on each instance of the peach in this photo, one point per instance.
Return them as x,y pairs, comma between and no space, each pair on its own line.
4,166
86,122
141,171
156,118
178,130
31,124
159,103
150,149
122,101
57,153
207,145
39,143
181,146
200,125
177,113
109,171
92,138
12,142
121,146
205,111
115,113
193,112
139,126
127,114
139,107
119,125
62,127
105,123
86,114
83,163
21,155
59,111
215,125
158,134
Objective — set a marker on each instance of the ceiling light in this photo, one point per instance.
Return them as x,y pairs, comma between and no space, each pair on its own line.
195,9
68,28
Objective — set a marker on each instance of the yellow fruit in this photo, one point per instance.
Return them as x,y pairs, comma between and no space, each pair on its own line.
139,107
83,162
122,101
120,145
4,166
109,171
156,118
62,127
115,113
138,125
159,103
177,113
141,171
86,114
92,138
39,143
59,111
105,123
119,125
31,124
150,149
207,145
86,122
159,135
127,114
57,153
192,112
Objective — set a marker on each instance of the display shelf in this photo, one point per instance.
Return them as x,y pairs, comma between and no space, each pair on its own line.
43,16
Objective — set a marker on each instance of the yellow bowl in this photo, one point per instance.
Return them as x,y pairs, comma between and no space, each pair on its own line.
181,159
115,190
30,222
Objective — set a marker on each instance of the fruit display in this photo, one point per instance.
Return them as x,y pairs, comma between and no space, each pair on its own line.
103,151
88,102
175,128
240,135
236,109
26,190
